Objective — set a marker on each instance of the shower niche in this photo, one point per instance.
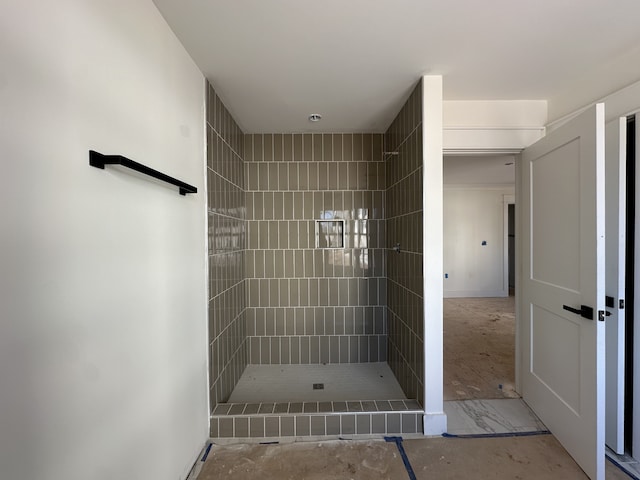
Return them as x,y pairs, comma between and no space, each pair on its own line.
315,322
330,233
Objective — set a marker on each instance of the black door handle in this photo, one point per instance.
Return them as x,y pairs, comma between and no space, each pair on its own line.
584,311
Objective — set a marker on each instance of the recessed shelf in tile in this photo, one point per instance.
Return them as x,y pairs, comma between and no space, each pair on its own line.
329,233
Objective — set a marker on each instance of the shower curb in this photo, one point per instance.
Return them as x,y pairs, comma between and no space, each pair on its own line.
313,419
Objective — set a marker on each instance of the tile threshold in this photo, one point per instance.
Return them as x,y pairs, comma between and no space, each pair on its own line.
320,408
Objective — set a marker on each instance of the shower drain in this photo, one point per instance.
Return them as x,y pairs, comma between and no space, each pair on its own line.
318,386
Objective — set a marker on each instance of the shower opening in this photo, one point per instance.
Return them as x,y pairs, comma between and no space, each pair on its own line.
316,321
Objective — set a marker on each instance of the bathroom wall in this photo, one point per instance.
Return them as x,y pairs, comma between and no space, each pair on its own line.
103,352
226,242
308,305
403,209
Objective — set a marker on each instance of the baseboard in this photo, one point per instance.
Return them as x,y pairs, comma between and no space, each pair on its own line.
435,423
199,462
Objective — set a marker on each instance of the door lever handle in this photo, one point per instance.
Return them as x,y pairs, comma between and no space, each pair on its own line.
584,311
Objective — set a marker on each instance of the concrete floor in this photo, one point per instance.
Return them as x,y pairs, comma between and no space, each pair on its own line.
525,458
479,348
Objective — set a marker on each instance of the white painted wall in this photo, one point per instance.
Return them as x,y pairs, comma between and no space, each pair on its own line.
479,170
620,103
496,126
471,216
103,327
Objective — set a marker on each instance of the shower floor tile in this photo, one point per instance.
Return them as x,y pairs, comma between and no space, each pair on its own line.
294,383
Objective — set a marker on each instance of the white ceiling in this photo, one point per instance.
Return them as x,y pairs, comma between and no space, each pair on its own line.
479,170
355,61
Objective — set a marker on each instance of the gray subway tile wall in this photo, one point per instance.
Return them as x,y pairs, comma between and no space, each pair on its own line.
228,348
309,305
403,209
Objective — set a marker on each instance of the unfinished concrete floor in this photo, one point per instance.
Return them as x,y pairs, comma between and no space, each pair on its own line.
479,348
524,458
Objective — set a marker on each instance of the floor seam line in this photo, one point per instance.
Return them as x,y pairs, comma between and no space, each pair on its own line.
403,454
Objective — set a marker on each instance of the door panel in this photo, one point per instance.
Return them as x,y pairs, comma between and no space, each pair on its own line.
551,335
563,265
615,191
556,225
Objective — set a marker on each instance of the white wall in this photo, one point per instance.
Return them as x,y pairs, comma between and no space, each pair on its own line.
620,103
497,126
103,330
471,216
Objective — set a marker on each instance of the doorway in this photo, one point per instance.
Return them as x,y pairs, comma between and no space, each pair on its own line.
479,264
479,298
479,346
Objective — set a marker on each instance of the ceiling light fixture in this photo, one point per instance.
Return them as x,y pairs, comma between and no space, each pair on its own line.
315,117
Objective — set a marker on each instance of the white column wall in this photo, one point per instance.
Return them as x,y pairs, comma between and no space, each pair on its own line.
435,420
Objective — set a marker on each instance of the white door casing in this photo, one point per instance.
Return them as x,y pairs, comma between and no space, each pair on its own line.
635,387
507,199
615,202
563,254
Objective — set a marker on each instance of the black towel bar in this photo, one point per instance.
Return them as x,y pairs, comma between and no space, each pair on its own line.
99,160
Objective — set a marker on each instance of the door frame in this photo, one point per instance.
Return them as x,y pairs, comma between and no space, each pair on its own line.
513,200
616,160
507,200
635,429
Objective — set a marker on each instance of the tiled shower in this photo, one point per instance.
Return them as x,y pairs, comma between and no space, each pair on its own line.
304,234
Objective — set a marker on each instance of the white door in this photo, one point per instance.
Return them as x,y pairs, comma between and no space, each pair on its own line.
615,201
562,278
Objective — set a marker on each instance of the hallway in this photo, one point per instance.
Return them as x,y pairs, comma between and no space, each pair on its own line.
479,348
